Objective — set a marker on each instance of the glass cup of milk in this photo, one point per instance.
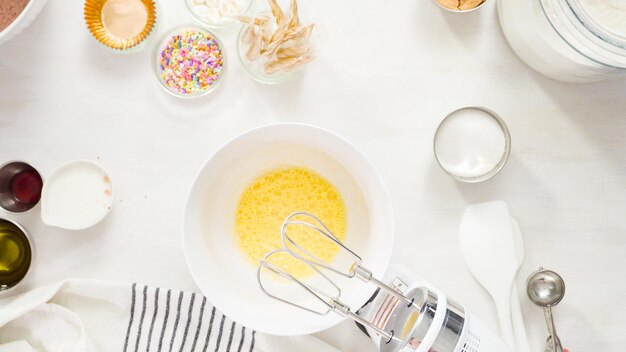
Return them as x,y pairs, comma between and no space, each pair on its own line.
472,144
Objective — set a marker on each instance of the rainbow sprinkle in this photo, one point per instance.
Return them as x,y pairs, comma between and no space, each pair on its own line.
191,62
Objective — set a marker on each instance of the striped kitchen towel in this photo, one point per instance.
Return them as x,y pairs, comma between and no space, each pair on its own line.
90,316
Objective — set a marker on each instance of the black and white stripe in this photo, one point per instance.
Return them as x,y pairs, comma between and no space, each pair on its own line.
178,322
154,315
167,313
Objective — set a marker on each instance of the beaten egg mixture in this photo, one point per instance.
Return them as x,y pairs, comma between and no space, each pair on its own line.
272,197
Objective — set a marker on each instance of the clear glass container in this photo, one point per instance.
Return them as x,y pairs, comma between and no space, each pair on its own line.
9,201
472,144
156,64
307,16
10,288
225,22
565,39
256,68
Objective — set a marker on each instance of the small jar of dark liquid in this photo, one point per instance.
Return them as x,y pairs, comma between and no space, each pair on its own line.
15,254
20,187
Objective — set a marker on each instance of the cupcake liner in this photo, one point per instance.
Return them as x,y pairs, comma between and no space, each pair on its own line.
93,19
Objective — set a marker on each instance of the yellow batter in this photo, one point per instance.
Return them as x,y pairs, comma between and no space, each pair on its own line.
273,196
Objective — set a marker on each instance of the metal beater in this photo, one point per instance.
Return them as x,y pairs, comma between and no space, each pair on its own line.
356,269
329,299
403,317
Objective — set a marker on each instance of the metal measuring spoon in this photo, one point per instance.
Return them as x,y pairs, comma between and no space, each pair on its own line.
546,289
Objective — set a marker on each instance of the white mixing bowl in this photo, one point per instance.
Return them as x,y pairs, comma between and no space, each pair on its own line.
221,270
32,9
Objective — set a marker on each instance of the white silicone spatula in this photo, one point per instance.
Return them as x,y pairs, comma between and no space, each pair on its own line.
488,247
519,328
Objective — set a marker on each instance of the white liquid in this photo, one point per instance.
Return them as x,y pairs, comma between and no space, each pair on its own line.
470,143
217,11
76,196
610,14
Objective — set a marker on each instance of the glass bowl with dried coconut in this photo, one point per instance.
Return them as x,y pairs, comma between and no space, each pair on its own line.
275,46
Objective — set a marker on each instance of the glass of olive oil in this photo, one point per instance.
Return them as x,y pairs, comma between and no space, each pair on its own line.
15,254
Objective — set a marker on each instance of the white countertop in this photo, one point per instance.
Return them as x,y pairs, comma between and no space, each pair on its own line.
385,78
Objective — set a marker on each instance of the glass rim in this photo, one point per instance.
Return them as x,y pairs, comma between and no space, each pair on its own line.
583,34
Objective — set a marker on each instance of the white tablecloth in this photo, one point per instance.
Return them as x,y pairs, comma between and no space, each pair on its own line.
388,73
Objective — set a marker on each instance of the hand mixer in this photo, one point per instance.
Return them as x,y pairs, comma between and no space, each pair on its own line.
399,317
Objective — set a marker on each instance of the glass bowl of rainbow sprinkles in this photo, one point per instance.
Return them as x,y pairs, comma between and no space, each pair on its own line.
189,62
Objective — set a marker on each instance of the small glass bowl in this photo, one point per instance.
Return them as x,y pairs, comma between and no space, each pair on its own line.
6,289
247,6
8,172
478,177
255,69
460,11
156,66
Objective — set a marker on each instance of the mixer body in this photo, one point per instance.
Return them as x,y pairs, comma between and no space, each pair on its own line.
440,325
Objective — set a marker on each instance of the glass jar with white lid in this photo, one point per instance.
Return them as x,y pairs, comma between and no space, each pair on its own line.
568,40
